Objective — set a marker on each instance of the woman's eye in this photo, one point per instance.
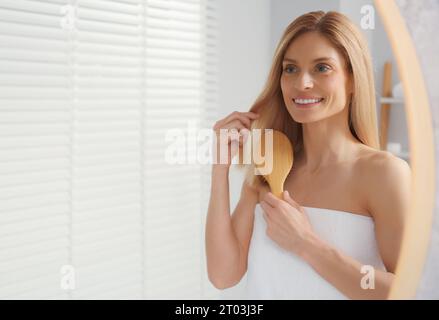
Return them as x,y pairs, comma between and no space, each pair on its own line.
322,68
289,69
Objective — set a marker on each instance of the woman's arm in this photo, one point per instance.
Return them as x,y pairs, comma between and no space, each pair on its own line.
228,237
389,183
222,251
344,272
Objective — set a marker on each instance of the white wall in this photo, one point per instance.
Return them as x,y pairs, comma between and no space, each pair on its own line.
244,57
244,53
285,11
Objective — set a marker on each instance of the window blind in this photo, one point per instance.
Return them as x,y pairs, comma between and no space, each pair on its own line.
88,91
35,149
209,114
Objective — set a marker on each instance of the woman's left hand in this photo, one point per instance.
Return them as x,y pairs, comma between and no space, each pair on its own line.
287,222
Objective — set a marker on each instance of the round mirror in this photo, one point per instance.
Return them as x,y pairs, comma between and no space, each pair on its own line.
399,19
399,31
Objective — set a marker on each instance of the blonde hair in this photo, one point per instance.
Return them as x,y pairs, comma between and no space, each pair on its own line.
350,43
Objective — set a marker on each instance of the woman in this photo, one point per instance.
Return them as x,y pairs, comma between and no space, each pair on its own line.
337,231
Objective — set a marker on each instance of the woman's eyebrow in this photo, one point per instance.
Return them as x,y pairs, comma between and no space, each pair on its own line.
315,60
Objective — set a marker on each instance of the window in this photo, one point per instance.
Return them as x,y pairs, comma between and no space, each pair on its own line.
89,208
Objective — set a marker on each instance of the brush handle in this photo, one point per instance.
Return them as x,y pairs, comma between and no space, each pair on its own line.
280,163
277,190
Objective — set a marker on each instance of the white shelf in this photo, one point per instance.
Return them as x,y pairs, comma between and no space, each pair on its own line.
392,100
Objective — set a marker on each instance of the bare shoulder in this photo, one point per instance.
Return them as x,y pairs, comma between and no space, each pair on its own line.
379,165
386,180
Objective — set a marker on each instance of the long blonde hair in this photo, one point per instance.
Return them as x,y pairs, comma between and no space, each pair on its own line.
345,37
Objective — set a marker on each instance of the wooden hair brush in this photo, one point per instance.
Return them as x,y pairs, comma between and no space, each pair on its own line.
282,161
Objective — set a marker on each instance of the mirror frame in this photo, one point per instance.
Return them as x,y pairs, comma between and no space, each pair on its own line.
416,237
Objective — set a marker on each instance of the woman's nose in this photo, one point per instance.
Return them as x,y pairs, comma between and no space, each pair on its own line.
304,81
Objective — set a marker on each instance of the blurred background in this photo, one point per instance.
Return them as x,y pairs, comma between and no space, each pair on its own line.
89,90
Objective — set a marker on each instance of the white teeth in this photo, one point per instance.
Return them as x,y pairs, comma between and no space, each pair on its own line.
306,101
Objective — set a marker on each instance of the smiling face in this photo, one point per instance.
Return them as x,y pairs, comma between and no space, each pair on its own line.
314,81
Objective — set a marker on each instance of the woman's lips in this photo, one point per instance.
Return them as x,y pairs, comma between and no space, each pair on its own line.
307,105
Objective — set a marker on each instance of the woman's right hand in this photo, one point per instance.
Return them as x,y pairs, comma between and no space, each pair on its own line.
237,123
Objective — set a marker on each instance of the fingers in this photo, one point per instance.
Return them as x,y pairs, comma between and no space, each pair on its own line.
233,130
271,199
291,201
251,114
235,124
244,117
234,145
266,210
245,134
239,121
229,125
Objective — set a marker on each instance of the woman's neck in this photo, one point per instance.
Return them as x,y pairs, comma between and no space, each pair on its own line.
327,142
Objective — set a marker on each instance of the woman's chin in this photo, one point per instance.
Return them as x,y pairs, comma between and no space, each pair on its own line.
305,118
300,116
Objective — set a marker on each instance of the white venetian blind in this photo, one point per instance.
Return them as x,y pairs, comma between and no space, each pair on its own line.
88,91
35,149
209,109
